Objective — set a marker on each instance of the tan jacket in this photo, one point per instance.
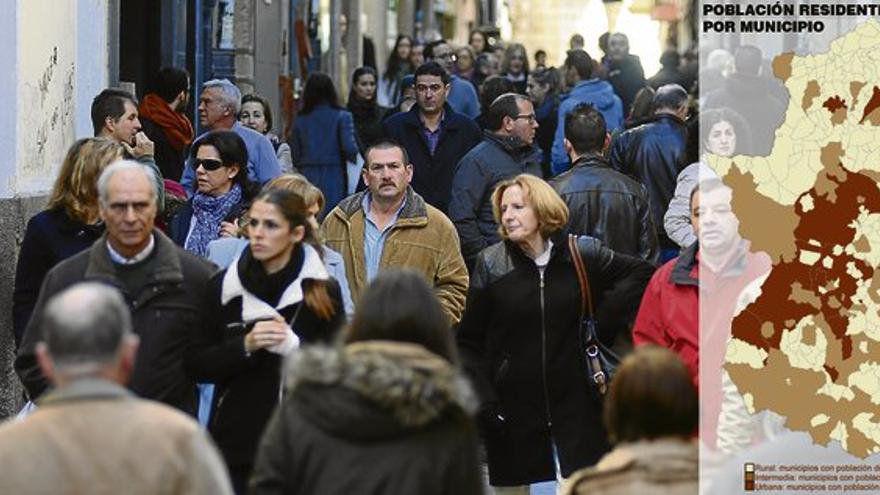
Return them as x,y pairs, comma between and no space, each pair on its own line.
661,467
95,437
423,239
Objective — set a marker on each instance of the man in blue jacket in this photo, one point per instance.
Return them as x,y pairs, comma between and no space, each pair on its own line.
578,72
506,151
434,135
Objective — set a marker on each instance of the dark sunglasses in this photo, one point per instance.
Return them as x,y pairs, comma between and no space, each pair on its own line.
210,164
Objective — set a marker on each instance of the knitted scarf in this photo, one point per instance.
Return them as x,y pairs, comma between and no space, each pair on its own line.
208,212
178,129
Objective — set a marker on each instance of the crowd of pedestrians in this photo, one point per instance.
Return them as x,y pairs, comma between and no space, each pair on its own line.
387,300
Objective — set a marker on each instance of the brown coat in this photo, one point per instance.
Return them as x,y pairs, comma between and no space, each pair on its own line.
95,437
661,467
423,239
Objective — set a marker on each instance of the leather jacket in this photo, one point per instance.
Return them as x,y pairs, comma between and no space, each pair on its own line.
607,205
654,154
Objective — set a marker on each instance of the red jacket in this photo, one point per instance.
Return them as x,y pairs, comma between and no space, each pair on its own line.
670,316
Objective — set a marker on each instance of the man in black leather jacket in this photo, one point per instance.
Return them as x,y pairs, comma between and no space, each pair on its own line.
654,153
603,202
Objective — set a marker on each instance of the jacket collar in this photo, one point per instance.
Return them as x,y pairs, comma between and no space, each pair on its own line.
85,389
414,212
683,270
168,268
511,145
252,307
591,161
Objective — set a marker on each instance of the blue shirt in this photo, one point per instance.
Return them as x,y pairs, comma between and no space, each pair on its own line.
463,97
433,137
374,239
262,161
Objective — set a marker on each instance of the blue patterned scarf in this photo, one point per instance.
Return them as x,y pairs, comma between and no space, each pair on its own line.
208,213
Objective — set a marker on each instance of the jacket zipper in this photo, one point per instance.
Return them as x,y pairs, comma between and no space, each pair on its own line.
544,355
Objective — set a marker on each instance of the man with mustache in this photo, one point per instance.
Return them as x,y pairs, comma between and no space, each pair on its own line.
390,226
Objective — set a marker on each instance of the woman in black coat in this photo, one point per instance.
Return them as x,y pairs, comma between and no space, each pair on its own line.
68,225
275,297
367,113
519,336
387,414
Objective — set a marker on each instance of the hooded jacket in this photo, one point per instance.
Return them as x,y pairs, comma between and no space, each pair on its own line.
422,239
375,417
598,93
470,207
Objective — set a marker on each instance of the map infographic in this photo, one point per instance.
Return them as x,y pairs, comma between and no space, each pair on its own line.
808,345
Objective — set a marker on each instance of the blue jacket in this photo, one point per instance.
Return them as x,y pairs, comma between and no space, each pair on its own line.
322,141
432,174
598,93
262,162
463,97
479,171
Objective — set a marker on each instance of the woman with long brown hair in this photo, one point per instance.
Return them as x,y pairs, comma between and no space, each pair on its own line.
69,224
275,297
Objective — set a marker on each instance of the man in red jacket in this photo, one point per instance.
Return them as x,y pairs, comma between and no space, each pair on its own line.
716,268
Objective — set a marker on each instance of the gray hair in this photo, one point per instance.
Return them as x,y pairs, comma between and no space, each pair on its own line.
670,97
119,166
84,327
229,92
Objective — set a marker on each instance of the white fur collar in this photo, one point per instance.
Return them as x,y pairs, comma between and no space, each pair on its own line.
252,307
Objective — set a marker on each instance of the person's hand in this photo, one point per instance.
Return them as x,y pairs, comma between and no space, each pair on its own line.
142,146
229,229
266,333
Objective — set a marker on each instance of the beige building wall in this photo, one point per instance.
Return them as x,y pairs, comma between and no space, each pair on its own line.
548,25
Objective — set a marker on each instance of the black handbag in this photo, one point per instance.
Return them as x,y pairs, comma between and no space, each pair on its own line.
601,361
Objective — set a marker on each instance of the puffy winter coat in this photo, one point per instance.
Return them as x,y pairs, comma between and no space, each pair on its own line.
374,418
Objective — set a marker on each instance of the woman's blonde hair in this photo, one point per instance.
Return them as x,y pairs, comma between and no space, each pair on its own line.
76,188
550,209
298,184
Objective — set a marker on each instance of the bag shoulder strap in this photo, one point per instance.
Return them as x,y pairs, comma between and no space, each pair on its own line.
583,279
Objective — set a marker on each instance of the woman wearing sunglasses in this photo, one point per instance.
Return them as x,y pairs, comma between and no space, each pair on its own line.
223,192
274,297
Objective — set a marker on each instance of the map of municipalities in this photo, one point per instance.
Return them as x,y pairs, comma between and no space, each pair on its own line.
808,347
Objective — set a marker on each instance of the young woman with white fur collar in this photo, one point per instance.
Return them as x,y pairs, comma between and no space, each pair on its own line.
276,296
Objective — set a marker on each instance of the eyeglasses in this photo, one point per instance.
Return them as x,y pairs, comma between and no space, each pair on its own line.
433,88
532,118
445,55
210,164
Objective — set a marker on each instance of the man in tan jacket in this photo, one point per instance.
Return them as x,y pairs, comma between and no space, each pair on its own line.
390,226
90,434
